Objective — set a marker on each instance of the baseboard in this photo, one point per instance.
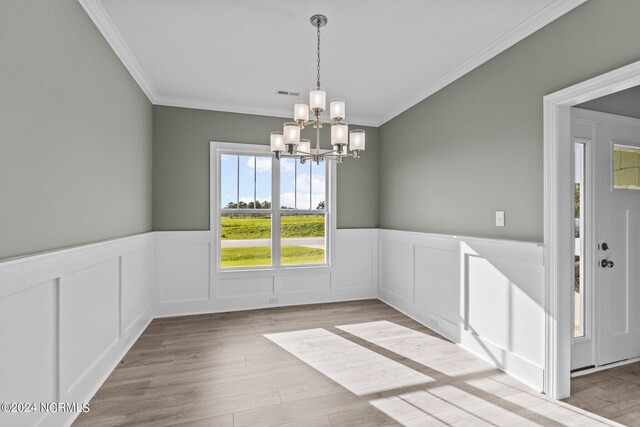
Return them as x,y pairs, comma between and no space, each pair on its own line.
188,309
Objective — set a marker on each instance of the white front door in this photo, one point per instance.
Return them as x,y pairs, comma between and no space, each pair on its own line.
617,281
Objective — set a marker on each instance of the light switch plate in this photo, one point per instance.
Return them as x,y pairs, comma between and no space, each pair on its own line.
499,218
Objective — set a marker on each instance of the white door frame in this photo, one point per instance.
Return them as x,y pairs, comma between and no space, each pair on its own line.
558,218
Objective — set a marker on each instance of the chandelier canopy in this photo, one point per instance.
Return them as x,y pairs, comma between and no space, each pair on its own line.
287,143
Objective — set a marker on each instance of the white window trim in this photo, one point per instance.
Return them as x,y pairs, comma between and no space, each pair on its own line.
215,149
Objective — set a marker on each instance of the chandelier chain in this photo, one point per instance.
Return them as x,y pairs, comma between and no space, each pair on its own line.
318,77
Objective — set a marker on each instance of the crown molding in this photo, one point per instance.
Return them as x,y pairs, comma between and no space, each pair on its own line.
201,104
513,36
105,25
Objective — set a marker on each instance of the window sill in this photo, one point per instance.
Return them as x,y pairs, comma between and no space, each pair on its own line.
276,271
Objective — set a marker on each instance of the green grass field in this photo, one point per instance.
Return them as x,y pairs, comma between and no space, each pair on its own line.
237,228
246,228
261,255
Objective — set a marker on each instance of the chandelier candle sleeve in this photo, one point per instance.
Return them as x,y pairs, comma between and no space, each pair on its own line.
356,140
301,112
337,109
317,99
277,141
304,147
291,132
339,133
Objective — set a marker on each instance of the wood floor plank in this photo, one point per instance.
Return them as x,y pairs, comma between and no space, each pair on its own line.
340,364
612,393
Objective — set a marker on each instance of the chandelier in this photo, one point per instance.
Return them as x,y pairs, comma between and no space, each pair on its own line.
287,143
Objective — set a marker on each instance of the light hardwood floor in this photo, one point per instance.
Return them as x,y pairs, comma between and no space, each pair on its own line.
613,393
344,364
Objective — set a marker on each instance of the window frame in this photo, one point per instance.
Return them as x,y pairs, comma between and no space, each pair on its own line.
215,210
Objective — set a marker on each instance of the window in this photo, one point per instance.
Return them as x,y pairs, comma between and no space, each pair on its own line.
268,213
579,241
626,167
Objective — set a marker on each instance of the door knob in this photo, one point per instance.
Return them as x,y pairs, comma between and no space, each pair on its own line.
606,263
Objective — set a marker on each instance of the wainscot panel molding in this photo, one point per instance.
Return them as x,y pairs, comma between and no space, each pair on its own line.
68,317
486,295
187,281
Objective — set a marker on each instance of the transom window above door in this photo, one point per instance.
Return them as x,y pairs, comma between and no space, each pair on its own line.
268,214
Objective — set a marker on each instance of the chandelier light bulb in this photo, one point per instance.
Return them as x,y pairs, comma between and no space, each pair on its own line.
277,141
339,133
304,147
356,140
317,99
300,112
291,131
337,109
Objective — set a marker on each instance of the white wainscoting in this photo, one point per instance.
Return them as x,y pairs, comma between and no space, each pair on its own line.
68,317
187,283
487,295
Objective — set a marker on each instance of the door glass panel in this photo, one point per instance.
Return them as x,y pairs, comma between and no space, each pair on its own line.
578,284
626,167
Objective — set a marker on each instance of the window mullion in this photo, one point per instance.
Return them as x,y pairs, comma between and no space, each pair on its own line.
238,182
275,213
311,185
295,185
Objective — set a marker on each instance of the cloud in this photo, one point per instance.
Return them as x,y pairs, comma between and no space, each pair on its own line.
302,181
289,199
287,166
263,164
317,184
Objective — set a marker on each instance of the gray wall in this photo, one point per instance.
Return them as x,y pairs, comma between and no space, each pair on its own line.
75,133
181,166
624,103
476,146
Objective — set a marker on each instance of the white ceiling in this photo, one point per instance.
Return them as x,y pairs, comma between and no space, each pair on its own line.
382,57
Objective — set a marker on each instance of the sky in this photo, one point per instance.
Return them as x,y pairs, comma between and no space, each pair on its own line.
301,186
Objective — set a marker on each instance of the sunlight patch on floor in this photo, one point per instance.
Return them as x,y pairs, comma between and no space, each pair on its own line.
431,352
359,370
437,383
467,390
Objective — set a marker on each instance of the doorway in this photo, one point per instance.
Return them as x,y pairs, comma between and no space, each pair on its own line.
606,196
559,220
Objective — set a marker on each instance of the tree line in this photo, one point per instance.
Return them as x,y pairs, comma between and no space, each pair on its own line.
262,205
